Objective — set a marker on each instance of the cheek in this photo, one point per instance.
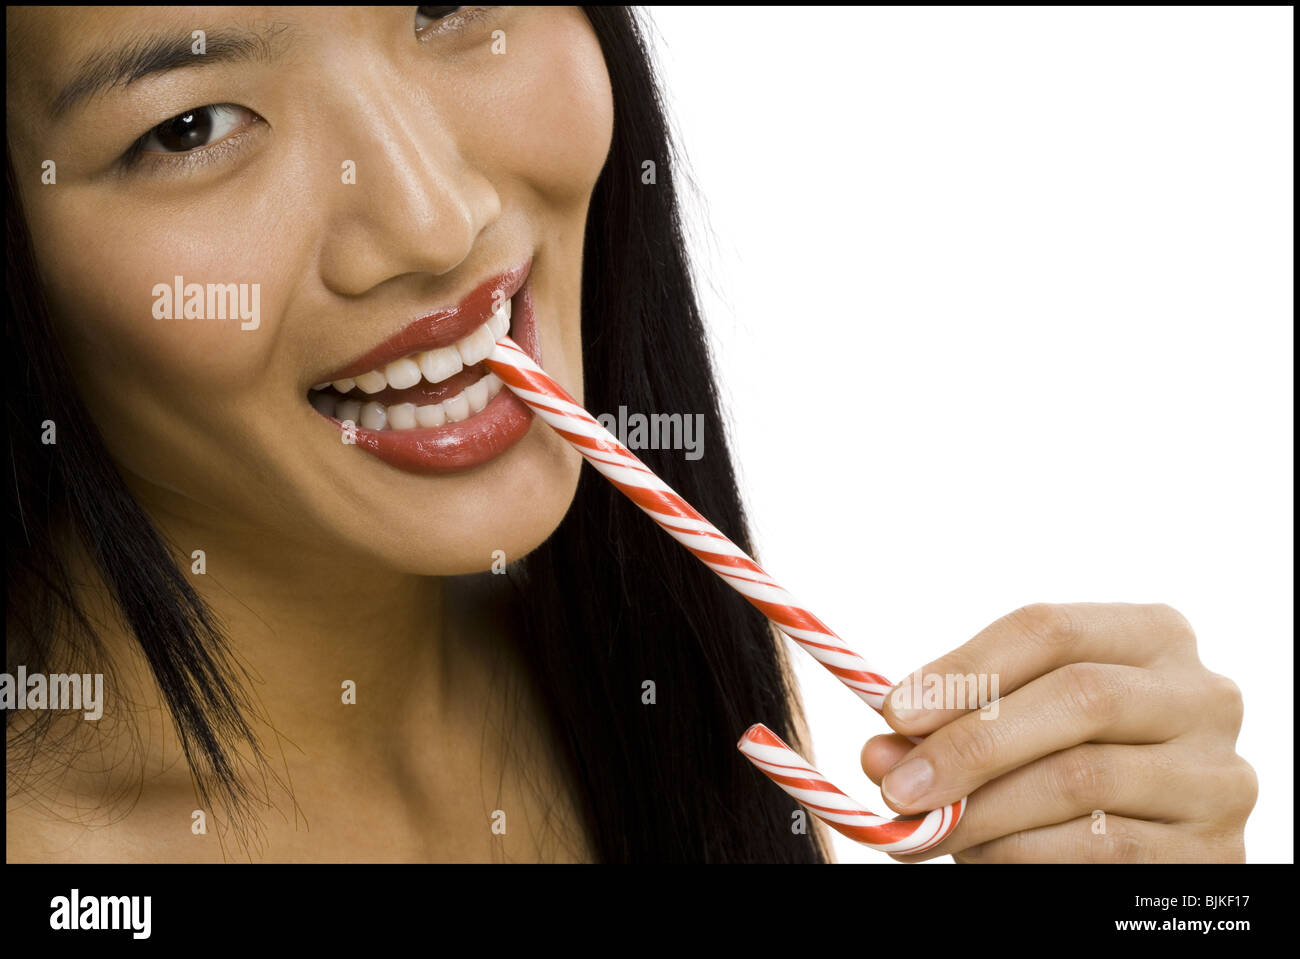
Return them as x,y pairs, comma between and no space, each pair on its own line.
101,268
550,118
164,392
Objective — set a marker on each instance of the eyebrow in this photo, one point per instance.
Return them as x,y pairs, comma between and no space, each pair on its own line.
156,53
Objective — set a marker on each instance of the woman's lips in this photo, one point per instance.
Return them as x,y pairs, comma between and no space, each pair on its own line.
393,416
444,327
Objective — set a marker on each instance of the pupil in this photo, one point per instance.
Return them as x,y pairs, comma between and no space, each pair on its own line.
186,132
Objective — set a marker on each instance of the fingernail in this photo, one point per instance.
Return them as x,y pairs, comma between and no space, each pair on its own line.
909,782
905,701
907,715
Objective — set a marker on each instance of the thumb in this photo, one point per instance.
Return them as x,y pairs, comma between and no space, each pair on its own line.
882,753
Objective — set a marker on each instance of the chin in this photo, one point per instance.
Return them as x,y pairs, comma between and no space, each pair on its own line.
499,518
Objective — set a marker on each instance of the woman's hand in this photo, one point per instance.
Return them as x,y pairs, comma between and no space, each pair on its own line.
1111,742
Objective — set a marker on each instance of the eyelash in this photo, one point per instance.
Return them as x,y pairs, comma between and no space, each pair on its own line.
452,21
137,157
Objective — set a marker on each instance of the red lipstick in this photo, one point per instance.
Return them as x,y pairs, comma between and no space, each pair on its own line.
453,447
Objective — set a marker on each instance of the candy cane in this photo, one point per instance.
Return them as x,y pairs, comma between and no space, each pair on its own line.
549,400
790,771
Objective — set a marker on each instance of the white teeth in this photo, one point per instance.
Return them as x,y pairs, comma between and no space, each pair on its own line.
476,347
402,374
457,408
371,382
437,365
477,395
401,416
373,416
407,416
434,365
348,410
430,416
323,402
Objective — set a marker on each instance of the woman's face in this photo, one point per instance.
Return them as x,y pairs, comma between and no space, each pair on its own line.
360,189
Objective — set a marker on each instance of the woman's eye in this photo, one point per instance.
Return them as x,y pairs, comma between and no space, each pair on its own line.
427,16
195,129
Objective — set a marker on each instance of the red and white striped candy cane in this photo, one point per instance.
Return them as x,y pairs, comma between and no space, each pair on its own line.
790,771
549,400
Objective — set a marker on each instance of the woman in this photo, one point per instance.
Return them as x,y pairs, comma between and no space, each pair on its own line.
263,485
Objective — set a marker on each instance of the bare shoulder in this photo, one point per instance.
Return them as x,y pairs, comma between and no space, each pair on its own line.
37,836
54,826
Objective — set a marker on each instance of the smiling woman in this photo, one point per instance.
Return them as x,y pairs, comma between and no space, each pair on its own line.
290,292
280,540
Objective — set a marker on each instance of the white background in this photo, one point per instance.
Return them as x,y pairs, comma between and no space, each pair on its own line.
1001,299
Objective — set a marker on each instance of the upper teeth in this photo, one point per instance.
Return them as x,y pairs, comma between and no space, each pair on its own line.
435,365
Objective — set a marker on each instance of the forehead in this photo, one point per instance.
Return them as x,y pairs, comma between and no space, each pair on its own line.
43,42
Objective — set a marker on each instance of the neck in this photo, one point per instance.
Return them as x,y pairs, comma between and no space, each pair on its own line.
349,661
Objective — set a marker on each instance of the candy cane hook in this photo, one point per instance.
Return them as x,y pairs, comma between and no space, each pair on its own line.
549,400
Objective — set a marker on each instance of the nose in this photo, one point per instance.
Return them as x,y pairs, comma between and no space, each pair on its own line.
409,202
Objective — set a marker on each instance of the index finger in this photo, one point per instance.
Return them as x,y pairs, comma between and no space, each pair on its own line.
1026,644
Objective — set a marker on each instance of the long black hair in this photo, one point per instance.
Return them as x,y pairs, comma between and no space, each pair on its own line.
606,604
